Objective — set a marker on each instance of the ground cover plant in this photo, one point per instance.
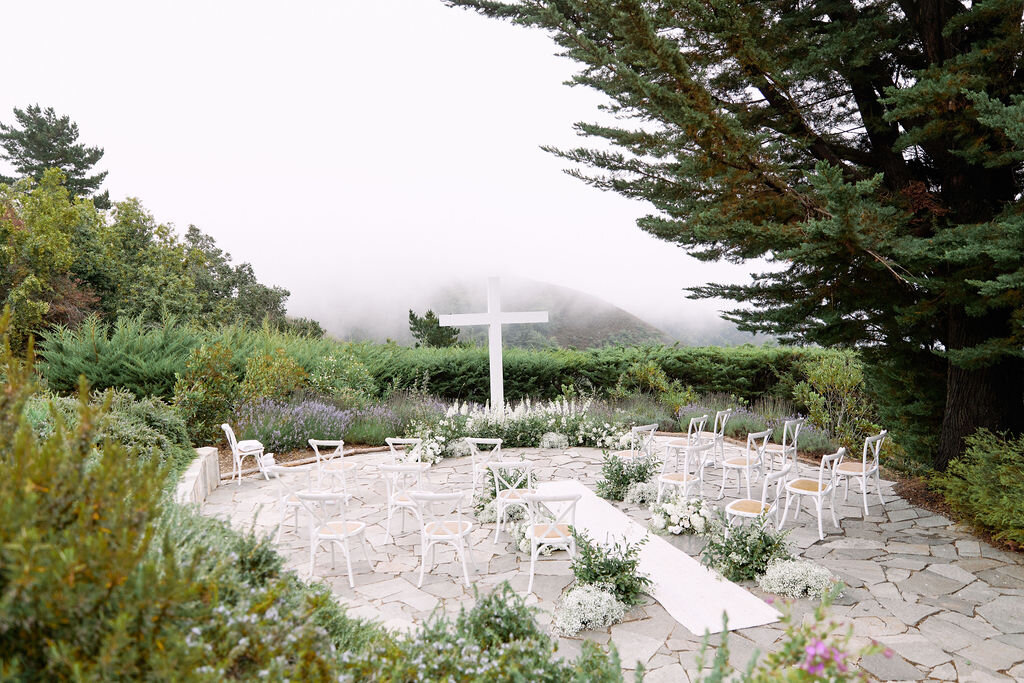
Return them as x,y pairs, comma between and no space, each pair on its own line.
745,554
796,579
619,474
616,566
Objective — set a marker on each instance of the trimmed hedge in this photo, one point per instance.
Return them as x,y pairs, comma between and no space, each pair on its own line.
749,372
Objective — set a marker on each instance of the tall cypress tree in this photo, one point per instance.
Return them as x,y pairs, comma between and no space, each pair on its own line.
873,151
43,140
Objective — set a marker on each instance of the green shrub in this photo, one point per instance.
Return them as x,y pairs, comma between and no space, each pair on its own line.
206,392
643,377
97,584
986,484
836,400
618,474
373,424
341,375
272,376
745,554
497,640
616,566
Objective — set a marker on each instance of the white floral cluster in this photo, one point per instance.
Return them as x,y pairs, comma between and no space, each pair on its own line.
488,511
641,493
518,531
554,440
677,516
586,606
796,579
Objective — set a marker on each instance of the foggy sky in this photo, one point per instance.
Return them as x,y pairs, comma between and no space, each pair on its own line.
356,152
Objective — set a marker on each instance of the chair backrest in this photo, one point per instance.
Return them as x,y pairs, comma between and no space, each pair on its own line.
721,417
324,506
693,431
232,441
406,455
511,474
284,488
872,449
438,508
698,455
776,480
317,444
757,444
827,469
549,511
790,433
641,439
401,478
493,453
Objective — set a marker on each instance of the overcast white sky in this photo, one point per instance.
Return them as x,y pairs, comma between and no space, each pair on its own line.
355,152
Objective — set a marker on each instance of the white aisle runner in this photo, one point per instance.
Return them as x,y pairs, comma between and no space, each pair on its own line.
694,595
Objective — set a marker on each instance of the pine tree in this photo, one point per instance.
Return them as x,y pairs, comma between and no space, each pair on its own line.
45,140
427,331
873,151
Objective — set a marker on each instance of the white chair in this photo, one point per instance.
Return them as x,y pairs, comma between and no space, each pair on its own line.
641,443
693,432
512,480
441,521
552,517
790,435
399,482
750,508
480,458
752,459
241,450
332,529
717,435
816,490
332,465
399,455
287,501
691,477
865,468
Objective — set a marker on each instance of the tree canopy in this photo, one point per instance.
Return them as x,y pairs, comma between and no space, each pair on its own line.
62,260
427,330
41,140
872,151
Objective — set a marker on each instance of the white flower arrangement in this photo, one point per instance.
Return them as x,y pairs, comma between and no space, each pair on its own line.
587,606
554,440
641,493
796,579
691,516
488,512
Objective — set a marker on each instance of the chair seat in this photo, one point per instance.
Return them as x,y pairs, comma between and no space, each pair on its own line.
806,485
514,494
739,462
403,499
678,443
449,527
342,528
249,445
625,454
851,467
678,477
548,531
747,506
337,465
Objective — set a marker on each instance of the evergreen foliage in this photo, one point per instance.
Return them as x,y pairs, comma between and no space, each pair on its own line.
873,151
427,331
41,140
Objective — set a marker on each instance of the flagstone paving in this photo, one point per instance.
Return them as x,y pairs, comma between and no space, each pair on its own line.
948,606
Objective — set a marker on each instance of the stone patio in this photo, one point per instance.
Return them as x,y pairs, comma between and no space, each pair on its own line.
948,606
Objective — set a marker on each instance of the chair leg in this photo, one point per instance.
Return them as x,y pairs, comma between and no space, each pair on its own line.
846,494
348,564
864,492
423,564
832,506
533,565
461,548
387,532
748,483
785,513
878,488
366,550
817,504
312,556
497,525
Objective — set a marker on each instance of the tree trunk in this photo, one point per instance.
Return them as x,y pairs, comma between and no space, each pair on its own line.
992,396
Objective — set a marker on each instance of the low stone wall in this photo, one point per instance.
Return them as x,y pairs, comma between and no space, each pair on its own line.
201,477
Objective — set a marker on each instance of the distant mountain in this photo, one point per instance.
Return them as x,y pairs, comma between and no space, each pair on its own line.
575,319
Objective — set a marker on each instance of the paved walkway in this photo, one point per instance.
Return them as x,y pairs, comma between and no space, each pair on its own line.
950,607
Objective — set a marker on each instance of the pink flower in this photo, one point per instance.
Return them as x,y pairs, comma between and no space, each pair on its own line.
888,653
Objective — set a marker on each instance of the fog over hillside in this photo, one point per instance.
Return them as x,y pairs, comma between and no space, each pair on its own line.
576,318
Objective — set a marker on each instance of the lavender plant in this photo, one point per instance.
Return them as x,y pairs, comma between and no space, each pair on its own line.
283,427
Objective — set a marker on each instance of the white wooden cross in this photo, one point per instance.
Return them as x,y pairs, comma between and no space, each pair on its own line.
494,318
